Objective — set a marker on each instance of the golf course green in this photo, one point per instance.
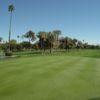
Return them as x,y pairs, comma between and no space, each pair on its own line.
50,77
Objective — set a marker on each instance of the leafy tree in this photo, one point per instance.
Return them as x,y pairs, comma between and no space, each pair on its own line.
71,44
4,46
13,45
24,45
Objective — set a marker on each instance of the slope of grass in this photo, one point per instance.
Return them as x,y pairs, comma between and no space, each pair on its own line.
50,78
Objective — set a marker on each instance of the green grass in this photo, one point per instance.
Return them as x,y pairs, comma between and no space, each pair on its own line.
51,77
73,52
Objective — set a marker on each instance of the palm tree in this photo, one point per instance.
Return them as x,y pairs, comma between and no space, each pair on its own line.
42,38
56,34
30,35
10,9
51,39
66,43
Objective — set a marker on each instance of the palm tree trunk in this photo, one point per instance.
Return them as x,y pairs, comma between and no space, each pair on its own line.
30,44
57,42
42,46
10,30
50,47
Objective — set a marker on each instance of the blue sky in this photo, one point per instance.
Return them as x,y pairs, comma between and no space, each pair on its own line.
75,18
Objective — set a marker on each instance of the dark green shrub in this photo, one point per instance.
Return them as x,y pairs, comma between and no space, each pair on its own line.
8,53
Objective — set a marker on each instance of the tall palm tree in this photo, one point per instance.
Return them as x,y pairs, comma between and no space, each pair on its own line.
51,39
56,34
42,38
66,43
10,9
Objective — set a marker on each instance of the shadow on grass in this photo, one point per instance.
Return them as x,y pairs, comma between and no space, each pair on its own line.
96,98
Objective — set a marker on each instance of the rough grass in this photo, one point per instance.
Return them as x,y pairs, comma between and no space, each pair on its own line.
50,78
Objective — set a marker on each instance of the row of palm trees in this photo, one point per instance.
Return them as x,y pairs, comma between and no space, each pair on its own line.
50,38
46,39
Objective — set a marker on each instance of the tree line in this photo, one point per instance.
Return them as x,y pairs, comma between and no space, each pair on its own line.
45,41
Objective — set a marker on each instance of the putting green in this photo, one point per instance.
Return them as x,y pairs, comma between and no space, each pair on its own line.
50,78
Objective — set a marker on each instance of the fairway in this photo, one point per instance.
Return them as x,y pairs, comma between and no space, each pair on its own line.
50,78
